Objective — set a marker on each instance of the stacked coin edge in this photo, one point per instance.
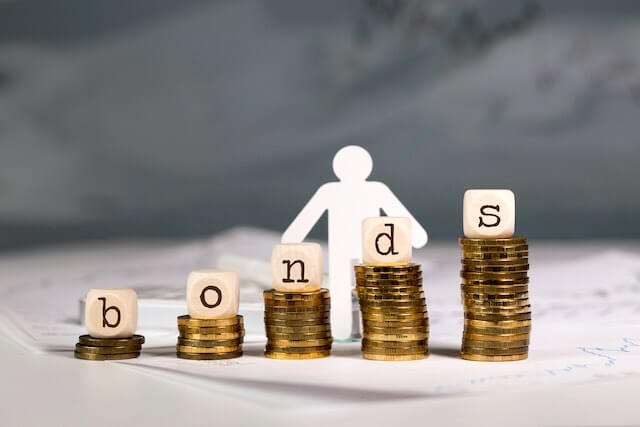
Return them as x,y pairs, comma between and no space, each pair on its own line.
297,324
495,297
210,339
91,348
395,321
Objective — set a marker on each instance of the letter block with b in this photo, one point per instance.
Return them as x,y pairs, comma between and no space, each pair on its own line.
489,214
296,267
386,240
111,313
213,294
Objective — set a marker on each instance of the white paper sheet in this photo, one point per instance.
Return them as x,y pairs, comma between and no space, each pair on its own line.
586,327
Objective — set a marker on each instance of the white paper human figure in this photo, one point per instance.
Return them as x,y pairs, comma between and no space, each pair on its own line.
348,201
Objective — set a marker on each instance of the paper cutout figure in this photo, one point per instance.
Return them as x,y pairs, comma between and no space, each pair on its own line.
348,201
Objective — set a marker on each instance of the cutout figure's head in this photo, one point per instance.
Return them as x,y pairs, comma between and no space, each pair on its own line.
352,163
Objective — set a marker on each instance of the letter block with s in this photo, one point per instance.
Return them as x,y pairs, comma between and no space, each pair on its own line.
386,240
296,267
489,214
213,294
111,313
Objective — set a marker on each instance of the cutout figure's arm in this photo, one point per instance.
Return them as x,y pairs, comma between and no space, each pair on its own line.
391,206
308,217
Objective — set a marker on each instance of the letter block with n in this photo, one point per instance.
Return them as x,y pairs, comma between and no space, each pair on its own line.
111,313
296,267
386,240
213,294
489,214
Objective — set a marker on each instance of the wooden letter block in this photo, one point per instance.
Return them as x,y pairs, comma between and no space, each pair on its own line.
111,313
296,267
386,240
489,214
213,294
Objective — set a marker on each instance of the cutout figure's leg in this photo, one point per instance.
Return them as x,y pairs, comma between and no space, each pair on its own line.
340,279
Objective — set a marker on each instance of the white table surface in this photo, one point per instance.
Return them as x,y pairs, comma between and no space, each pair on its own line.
52,388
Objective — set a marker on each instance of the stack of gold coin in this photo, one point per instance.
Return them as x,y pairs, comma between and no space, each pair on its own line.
210,339
297,324
395,321
90,348
495,296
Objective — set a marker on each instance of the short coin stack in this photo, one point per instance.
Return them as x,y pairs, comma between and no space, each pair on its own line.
90,348
394,313
297,324
495,295
210,339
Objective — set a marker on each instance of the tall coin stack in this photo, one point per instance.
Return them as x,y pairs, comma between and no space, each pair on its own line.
111,318
210,339
395,321
495,282
213,329
297,311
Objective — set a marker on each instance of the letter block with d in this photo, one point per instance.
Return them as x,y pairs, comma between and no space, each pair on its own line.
213,294
111,313
386,240
296,267
489,214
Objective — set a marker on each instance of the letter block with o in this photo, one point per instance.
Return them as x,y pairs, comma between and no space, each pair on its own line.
111,313
386,240
213,294
296,267
489,214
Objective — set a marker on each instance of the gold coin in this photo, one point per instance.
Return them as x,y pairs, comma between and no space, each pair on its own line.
387,317
364,268
208,344
498,317
238,329
190,322
495,351
214,337
372,343
296,356
393,313
297,310
501,311
209,356
397,337
296,304
395,357
191,349
395,351
81,348
390,291
494,290
423,328
485,358
502,302
493,276
498,241
492,337
277,296
500,324
299,337
498,332
376,277
385,299
298,317
135,340
320,321
383,305
518,262
119,356
494,256
395,324
318,329
299,343
466,342
523,268
281,349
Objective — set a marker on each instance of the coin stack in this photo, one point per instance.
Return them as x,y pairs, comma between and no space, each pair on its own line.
90,348
297,324
495,296
210,339
395,321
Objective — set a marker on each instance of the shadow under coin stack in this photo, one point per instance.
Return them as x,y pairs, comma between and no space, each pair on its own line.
395,321
297,324
495,295
210,339
90,348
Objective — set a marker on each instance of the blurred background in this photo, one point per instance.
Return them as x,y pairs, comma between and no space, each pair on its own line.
165,118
